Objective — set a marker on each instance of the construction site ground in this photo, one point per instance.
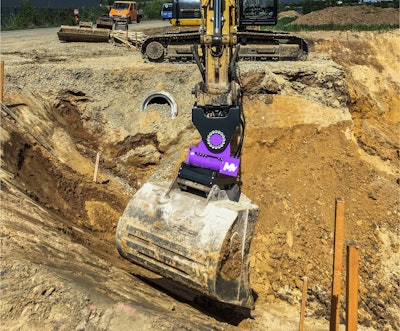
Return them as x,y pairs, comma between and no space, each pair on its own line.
316,130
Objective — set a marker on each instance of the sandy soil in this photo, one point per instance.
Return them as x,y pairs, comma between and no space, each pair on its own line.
316,130
364,15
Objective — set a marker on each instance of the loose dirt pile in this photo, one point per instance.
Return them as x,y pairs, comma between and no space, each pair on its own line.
316,130
359,15
288,13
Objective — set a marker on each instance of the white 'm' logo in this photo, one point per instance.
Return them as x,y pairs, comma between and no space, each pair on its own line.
230,167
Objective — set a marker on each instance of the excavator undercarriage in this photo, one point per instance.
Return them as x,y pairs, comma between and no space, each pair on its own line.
255,45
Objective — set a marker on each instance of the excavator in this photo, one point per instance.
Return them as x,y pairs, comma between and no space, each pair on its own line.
256,44
198,229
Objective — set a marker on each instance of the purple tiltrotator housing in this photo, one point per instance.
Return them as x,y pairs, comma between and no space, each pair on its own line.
222,162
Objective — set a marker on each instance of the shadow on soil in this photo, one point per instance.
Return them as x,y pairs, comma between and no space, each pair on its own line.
222,312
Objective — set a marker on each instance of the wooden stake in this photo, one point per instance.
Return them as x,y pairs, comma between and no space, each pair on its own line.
337,265
1,80
352,288
96,167
303,304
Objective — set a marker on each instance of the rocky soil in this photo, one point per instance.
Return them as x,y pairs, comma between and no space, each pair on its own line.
316,130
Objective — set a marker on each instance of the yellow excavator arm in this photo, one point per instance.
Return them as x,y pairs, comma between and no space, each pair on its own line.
217,45
197,230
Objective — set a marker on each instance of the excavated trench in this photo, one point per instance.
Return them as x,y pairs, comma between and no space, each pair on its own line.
299,110
86,211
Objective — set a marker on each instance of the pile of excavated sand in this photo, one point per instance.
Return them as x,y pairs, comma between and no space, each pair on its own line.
288,13
357,15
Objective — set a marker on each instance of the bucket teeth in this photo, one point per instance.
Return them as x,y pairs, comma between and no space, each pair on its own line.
202,244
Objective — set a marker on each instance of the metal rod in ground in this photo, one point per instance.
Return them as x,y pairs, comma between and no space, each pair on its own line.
337,265
352,288
1,80
303,304
96,167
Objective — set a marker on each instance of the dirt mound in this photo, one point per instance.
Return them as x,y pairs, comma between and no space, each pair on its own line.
351,15
288,13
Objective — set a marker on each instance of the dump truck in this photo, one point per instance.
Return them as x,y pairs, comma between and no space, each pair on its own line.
126,11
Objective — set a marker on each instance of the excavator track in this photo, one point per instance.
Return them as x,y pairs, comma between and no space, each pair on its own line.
271,46
254,46
170,46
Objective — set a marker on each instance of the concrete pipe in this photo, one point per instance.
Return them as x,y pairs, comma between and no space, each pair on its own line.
160,97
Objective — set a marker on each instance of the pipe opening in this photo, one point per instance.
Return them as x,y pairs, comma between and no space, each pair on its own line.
160,98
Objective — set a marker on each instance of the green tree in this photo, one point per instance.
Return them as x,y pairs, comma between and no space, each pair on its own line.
26,17
152,9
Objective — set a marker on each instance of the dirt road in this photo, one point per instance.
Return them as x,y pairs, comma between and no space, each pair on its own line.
15,37
319,128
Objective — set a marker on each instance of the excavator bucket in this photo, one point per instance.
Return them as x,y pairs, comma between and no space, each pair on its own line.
202,243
